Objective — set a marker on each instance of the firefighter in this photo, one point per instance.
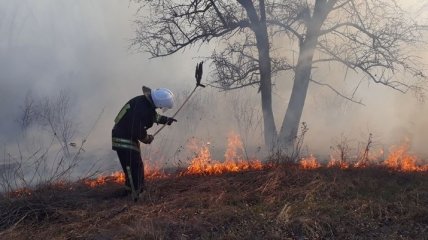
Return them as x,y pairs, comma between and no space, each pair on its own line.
131,124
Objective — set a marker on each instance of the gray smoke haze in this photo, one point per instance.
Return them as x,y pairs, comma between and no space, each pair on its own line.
82,47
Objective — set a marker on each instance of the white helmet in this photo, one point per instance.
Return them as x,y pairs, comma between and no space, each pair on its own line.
162,98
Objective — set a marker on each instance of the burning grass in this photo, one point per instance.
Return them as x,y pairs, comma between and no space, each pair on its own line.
203,164
399,159
234,199
285,202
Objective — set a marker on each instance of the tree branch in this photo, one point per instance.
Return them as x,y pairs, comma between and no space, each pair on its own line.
347,24
287,28
337,92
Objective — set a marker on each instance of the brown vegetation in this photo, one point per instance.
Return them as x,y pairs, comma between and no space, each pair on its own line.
281,203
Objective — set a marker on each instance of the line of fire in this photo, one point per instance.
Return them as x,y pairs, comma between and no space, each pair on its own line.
397,158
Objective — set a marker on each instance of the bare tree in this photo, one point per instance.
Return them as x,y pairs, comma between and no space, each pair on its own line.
367,37
240,26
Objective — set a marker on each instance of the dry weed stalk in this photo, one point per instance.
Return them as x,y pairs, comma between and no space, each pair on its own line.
47,153
363,159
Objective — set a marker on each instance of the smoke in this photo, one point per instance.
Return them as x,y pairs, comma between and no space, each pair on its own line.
389,115
82,47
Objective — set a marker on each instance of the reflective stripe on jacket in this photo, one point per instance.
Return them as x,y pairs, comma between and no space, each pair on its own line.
135,117
125,143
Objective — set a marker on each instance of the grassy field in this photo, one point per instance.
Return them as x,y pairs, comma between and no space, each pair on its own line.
284,202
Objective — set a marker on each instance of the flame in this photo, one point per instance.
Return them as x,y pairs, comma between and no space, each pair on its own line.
399,159
309,163
337,163
203,164
235,148
116,177
150,172
202,160
369,159
338,158
153,171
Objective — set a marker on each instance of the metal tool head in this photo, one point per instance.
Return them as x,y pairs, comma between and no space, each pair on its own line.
198,74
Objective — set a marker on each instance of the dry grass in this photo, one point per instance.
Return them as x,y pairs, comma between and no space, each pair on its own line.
281,203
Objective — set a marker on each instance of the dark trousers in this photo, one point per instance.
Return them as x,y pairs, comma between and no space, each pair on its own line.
132,159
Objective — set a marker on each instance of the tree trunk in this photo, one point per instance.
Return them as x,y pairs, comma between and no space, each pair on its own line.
294,111
270,133
258,25
290,125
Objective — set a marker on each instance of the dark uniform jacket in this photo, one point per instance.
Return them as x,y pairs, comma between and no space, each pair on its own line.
132,122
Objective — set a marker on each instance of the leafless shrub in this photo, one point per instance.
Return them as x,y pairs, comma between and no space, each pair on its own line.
46,152
365,153
342,151
298,143
248,120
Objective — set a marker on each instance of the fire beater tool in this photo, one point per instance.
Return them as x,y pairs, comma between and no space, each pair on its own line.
146,91
198,77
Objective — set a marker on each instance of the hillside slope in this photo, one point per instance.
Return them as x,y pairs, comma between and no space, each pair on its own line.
280,203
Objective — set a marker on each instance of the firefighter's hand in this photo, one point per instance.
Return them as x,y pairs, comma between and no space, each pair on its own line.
148,139
170,120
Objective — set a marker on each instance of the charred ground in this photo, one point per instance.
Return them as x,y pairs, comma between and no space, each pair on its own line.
283,202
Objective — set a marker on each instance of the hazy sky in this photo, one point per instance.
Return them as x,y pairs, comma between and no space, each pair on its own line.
82,46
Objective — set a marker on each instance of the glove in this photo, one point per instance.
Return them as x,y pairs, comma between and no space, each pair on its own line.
170,120
148,139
